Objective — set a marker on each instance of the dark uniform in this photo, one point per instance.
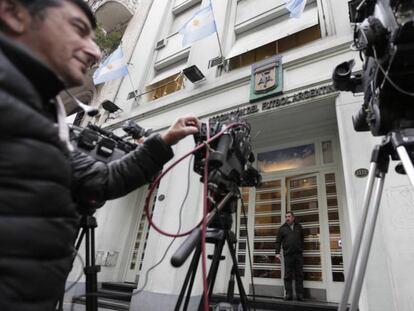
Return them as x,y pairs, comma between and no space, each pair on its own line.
292,242
41,182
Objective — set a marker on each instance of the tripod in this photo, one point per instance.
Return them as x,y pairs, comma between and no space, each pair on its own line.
88,225
394,146
218,233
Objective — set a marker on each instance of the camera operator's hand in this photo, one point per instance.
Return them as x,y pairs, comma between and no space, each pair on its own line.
182,127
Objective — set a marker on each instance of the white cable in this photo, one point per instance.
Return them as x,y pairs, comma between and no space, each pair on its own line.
80,274
399,89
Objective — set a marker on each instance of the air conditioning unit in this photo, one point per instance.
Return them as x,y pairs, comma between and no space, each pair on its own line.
132,94
160,44
217,61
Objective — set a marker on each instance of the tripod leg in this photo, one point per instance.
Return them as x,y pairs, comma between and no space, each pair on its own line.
91,270
367,242
218,250
243,296
230,287
190,287
94,276
89,304
358,238
406,161
212,274
80,237
190,274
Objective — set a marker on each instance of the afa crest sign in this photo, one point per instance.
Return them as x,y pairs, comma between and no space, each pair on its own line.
266,79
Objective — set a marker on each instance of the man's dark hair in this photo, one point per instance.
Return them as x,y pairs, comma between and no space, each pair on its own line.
291,213
37,7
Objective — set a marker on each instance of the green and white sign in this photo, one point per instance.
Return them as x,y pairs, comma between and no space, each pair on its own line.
266,79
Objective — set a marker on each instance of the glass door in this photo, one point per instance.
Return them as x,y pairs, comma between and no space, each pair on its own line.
267,220
263,207
303,201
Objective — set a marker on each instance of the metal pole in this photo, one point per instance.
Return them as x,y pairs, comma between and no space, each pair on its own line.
133,87
367,242
218,39
358,238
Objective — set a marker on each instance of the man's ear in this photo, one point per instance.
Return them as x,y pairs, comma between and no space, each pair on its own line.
14,17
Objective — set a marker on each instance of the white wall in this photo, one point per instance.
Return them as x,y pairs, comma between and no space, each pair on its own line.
166,279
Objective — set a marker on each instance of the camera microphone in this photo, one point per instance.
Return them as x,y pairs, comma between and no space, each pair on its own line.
90,111
134,130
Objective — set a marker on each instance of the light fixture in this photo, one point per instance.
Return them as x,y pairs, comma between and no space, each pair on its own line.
110,106
193,74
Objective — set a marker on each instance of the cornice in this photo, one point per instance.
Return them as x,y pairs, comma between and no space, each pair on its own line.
231,80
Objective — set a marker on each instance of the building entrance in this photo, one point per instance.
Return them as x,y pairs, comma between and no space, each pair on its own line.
310,190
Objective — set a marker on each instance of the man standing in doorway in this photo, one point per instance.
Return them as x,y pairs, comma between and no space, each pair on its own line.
290,237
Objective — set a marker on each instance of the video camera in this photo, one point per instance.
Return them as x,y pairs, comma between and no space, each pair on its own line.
384,36
135,131
230,162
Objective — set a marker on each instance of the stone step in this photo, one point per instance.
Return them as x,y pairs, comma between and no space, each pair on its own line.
119,286
105,303
113,294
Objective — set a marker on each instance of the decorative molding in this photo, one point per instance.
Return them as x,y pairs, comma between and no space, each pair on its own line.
263,18
171,59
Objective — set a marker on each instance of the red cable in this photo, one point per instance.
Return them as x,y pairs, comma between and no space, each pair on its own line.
157,181
204,226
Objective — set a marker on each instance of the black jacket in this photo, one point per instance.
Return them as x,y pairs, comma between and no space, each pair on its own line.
292,241
40,181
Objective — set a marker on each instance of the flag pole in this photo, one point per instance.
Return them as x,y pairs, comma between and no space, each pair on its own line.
129,76
218,39
132,84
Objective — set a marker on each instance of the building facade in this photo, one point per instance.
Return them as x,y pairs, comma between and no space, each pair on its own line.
303,139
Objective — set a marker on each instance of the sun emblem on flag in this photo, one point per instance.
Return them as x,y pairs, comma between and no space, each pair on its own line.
109,66
196,22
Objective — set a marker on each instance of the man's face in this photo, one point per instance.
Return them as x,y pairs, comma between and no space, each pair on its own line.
64,40
290,218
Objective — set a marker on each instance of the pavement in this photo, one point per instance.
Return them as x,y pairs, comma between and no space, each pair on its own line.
78,307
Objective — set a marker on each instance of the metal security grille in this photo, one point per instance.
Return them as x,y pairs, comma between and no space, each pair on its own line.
267,220
335,241
303,201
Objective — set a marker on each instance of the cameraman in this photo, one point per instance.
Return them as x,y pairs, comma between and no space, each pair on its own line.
46,46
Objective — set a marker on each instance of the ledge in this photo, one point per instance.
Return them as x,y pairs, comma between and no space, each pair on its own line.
229,80
263,18
184,6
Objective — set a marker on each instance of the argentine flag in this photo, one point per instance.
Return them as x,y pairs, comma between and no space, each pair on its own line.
201,25
112,68
295,7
